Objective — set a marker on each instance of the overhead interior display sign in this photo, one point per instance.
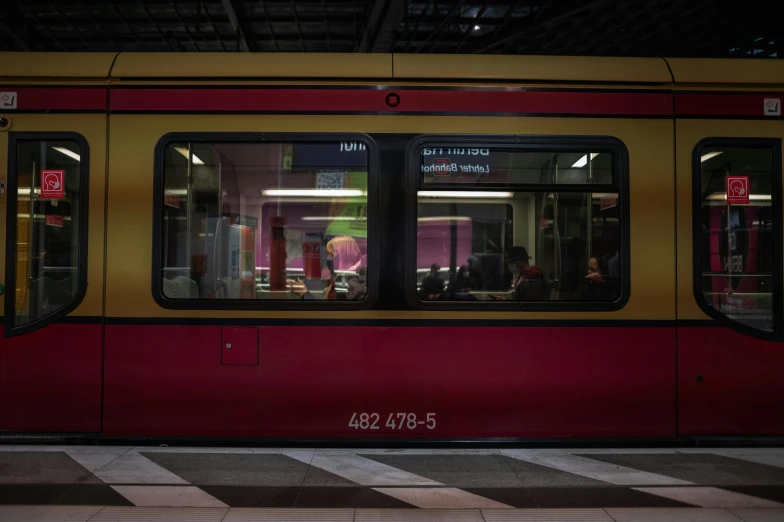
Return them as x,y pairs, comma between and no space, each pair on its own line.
329,156
476,165
52,184
737,190
455,165
320,165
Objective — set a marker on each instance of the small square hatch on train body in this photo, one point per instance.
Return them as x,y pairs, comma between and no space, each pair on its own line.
240,346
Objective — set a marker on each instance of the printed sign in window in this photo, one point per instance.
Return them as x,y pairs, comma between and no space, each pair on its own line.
737,190
52,184
54,221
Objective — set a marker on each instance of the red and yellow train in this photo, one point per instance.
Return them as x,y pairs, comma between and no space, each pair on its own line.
391,246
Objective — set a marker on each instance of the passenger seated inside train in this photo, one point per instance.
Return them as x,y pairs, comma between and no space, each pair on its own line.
343,255
476,272
432,285
357,286
529,282
600,282
460,286
594,287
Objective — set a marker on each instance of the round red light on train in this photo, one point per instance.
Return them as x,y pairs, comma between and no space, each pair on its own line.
393,100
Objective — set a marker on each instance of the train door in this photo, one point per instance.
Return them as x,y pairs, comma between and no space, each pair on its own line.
53,212
730,330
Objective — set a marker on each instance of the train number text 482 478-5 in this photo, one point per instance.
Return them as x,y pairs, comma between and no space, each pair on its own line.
395,421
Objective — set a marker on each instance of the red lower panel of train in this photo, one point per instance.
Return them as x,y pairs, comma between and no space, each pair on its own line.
729,383
389,382
50,379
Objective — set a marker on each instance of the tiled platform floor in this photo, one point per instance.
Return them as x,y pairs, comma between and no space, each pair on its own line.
157,483
169,514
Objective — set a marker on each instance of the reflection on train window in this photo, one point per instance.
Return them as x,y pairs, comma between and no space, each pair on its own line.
265,221
49,199
510,244
738,258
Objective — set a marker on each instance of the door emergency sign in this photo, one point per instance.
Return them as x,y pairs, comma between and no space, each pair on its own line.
52,184
737,190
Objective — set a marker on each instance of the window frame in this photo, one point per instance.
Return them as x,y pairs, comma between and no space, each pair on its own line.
774,145
264,304
555,143
14,138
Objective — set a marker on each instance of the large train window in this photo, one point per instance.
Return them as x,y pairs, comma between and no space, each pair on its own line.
46,235
247,220
524,223
737,234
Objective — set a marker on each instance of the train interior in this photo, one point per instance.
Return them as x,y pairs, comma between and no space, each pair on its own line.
219,227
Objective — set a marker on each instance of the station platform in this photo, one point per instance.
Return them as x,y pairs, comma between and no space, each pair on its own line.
112,483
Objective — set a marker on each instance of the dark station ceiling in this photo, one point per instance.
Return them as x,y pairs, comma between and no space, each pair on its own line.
673,28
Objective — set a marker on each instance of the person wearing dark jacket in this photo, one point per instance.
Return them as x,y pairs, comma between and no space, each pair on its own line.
595,286
460,286
432,285
476,273
529,283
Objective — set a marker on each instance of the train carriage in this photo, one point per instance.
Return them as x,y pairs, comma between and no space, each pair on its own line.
390,246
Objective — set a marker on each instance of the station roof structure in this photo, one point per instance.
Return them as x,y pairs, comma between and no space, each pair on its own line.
674,28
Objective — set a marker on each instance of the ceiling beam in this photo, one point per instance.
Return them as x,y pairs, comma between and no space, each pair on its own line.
445,22
518,33
383,35
9,17
218,39
166,38
237,25
305,20
371,25
181,37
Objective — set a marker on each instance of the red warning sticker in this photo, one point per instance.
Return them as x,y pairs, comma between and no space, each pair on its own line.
52,184
737,190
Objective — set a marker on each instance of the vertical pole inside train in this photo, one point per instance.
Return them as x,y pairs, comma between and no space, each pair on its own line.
728,261
590,207
219,227
277,270
453,238
188,204
556,239
33,250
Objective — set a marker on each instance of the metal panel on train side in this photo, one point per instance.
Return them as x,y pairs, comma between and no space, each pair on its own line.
50,379
728,382
163,370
